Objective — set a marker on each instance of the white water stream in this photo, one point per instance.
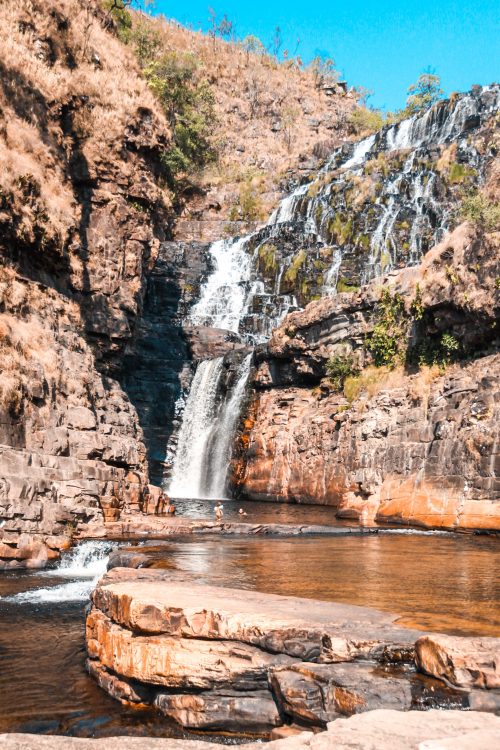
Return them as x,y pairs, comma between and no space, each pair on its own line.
84,565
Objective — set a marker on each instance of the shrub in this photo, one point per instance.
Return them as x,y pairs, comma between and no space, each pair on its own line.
339,368
364,119
387,342
189,107
117,9
146,41
481,211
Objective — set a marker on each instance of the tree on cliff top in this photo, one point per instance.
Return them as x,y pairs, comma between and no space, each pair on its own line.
423,94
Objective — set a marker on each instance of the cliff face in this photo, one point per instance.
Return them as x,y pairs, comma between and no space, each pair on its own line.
94,350
82,214
405,445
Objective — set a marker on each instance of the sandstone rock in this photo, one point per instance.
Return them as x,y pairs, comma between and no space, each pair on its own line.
301,628
180,663
221,710
466,662
319,693
413,730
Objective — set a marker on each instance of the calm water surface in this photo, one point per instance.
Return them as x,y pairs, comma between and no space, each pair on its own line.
441,582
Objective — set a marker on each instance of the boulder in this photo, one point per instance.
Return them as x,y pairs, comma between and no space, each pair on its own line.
318,693
221,710
465,662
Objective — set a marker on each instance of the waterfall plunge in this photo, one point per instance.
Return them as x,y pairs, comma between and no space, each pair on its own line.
235,298
206,435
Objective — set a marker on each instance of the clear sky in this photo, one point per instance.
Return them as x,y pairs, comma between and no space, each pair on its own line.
379,45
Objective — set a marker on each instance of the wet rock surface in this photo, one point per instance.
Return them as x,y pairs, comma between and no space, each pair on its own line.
242,661
465,662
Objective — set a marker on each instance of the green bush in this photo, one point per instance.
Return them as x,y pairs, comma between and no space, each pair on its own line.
364,120
117,9
189,107
481,211
387,342
340,368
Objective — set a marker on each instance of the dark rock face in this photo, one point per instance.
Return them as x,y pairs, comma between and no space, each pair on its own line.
80,230
157,368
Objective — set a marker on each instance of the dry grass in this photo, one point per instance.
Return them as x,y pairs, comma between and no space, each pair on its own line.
51,60
254,98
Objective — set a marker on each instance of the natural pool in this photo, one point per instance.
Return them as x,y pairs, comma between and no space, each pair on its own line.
443,582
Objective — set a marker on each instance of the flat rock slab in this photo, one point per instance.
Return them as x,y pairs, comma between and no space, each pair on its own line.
154,602
159,527
374,730
465,662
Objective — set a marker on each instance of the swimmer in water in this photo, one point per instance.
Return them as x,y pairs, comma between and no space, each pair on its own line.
241,512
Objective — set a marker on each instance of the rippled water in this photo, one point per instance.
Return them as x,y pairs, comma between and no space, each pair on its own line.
445,583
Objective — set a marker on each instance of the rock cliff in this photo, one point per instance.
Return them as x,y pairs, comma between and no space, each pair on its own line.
94,347
409,444
82,213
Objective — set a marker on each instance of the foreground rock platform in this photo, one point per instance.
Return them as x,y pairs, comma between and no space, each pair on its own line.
392,730
223,659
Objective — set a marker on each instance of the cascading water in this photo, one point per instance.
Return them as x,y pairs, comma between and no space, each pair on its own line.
318,215
198,420
375,205
84,565
205,438
221,438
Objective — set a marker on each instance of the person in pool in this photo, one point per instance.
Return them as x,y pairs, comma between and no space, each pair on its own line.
241,512
219,511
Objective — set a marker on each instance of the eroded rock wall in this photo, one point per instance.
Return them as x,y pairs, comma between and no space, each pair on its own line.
410,445
83,210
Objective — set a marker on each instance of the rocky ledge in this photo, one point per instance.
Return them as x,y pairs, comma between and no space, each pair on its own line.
142,526
409,444
434,730
222,659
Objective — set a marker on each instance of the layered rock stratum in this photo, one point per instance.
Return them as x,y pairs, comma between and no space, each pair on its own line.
413,444
223,659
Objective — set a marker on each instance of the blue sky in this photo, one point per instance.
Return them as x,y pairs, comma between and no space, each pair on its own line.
379,45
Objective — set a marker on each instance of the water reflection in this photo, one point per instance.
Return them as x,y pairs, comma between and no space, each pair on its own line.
447,583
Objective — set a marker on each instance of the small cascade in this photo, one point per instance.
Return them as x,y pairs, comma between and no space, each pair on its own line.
206,435
198,420
222,435
84,565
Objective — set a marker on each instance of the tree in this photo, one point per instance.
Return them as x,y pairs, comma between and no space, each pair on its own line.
289,116
324,72
277,41
252,46
189,107
424,93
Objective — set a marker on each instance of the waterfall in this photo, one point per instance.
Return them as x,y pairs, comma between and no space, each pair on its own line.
199,415
84,565
206,435
375,205
223,296
223,433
